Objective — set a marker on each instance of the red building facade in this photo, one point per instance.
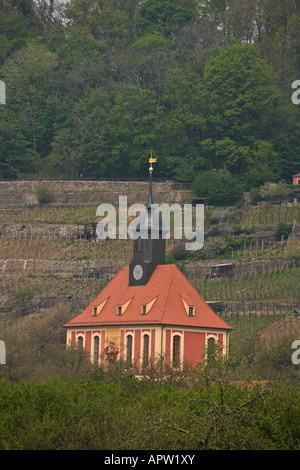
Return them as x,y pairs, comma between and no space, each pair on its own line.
139,324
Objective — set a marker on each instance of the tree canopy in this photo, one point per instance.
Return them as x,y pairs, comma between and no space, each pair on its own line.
94,86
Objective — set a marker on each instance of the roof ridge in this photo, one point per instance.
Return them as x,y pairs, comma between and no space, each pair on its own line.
168,290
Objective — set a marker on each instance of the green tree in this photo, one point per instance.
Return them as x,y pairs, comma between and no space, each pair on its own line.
265,165
27,74
16,159
78,146
218,187
240,19
80,64
109,20
19,23
130,131
164,16
151,57
240,102
215,12
182,125
108,139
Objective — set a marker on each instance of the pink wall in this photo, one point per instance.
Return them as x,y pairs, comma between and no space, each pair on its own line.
193,343
194,346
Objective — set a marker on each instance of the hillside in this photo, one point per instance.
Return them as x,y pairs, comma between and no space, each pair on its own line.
44,261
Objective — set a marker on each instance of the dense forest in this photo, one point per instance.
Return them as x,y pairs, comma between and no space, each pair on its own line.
93,86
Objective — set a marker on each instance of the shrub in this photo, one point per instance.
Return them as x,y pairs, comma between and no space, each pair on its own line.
44,194
271,190
283,231
214,247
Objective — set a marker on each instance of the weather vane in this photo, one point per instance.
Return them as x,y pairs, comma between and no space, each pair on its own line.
152,160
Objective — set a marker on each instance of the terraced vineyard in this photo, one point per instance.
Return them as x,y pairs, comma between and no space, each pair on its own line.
44,263
282,284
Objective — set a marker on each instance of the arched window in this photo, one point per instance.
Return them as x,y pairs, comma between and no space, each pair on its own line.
176,351
80,342
211,349
129,349
146,350
96,349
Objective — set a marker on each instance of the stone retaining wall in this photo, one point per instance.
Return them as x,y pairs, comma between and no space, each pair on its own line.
20,267
18,194
200,269
71,267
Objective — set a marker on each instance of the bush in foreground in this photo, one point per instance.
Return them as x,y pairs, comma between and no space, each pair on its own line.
131,414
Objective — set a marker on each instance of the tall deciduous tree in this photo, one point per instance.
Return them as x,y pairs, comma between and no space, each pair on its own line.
78,145
17,160
27,75
241,98
130,131
218,187
152,59
165,17
183,124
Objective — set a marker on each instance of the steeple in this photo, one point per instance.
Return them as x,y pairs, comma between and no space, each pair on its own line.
150,196
149,248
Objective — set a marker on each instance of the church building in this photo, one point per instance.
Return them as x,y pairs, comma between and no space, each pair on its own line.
149,310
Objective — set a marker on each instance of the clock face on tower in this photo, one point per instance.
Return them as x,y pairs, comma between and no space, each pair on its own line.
138,272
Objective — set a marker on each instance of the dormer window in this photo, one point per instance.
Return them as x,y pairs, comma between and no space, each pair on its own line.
121,309
191,311
97,309
145,308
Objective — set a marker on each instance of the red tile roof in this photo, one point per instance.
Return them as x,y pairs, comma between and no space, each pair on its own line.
167,286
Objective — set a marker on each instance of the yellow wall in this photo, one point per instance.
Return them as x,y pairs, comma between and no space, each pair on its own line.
113,336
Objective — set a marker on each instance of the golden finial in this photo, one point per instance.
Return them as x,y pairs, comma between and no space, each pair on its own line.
152,160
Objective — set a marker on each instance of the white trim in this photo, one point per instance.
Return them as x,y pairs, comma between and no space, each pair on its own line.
94,335
216,338
181,335
132,334
145,333
80,335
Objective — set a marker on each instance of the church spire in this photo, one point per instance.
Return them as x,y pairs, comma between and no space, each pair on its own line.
150,196
149,248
